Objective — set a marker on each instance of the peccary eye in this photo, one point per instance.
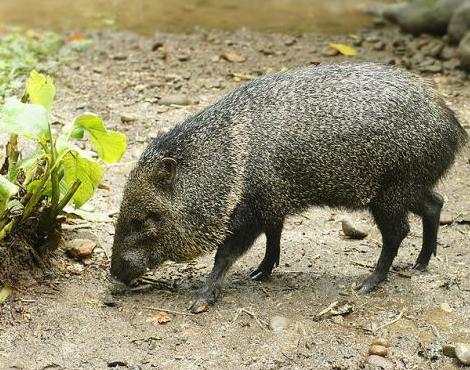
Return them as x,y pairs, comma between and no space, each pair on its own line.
155,217
136,225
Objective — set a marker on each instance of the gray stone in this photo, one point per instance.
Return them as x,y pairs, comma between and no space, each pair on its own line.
174,100
279,323
380,362
464,52
423,16
459,24
462,352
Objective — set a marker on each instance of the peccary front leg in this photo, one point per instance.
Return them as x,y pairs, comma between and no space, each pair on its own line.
234,246
272,254
430,211
394,227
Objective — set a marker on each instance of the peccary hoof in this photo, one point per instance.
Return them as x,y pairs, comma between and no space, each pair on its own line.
370,283
198,306
420,266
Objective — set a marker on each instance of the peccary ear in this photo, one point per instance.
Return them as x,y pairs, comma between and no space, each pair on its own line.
166,170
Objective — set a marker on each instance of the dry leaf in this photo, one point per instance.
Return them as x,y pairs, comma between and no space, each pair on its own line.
160,318
344,49
233,57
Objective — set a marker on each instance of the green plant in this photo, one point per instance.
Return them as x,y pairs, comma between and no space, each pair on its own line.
57,171
23,51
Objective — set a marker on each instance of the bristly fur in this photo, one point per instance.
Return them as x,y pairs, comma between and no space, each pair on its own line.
337,135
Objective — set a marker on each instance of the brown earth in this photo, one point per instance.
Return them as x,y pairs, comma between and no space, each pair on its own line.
71,321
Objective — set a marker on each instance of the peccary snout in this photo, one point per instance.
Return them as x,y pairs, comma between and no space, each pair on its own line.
128,265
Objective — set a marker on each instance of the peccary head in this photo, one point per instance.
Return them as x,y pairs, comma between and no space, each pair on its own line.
146,232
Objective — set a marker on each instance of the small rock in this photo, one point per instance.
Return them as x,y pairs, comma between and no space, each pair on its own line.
459,24
158,42
372,39
352,231
278,323
447,53
433,49
174,99
380,45
435,67
183,56
445,307
117,363
76,268
451,64
378,21
446,218
448,350
380,362
233,57
329,51
120,57
381,342
290,41
376,349
80,248
464,51
462,352
125,118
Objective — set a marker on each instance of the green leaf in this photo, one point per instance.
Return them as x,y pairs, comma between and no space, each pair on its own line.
40,89
87,171
7,190
29,120
344,49
77,133
110,145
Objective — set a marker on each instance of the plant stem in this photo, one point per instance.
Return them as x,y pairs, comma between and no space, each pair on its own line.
12,152
67,197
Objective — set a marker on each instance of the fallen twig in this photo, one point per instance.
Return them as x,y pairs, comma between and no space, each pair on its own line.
400,315
326,310
169,311
263,324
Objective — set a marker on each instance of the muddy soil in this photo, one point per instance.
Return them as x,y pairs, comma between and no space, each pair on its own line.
70,321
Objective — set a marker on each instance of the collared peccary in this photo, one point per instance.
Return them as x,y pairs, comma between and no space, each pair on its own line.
358,136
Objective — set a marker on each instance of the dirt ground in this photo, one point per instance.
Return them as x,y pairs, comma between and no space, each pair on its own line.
69,320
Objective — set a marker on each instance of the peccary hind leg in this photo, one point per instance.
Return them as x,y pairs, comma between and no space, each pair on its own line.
233,247
394,227
430,211
273,251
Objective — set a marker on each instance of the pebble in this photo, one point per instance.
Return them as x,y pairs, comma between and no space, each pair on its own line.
353,231
447,53
80,248
174,99
290,41
380,45
329,52
125,118
376,349
448,350
381,342
278,323
380,362
447,218
183,56
462,352
445,307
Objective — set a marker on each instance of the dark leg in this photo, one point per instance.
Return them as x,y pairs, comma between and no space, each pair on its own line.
430,211
234,246
394,227
273,251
